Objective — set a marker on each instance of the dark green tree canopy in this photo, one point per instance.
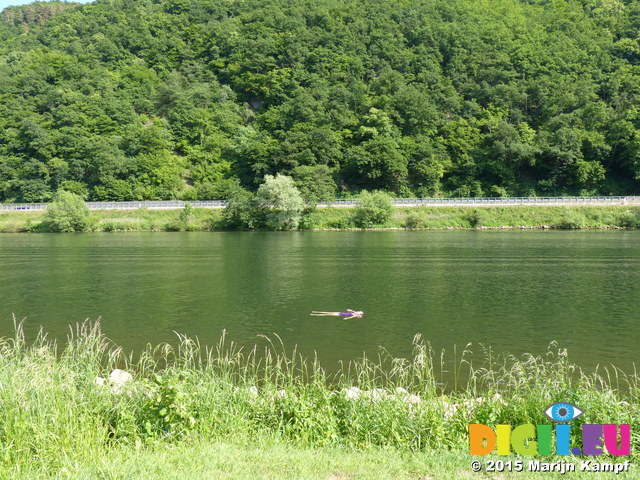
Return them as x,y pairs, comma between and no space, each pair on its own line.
159,99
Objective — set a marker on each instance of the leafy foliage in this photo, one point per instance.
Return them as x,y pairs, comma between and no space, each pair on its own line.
67,213
242,212
282,200
131,99
168,409
373,209
277,205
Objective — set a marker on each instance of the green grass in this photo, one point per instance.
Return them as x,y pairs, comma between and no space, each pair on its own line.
142,220
577,217
191,410
518,216
265,459
199,459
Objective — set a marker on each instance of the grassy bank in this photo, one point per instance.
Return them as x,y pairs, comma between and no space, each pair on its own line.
141,220
195,410
343,218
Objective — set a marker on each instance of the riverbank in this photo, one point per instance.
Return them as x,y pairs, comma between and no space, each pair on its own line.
437,218
88,410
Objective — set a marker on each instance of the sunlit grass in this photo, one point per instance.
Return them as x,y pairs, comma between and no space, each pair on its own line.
556,217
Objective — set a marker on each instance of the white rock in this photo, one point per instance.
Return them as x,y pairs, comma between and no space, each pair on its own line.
253,391
353,393
100,381
119,378
281,393
376,394
413,399
401,391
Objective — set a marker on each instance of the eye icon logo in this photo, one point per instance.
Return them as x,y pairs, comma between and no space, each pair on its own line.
562,412
531,440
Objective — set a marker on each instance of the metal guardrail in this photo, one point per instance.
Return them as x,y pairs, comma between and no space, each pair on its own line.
506,201
152,205
400,202
156,204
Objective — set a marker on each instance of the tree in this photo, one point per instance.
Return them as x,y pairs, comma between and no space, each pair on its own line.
283,200
315,182
173,98
67,213
241,211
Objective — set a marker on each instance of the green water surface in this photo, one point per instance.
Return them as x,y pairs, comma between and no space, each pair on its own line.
512,291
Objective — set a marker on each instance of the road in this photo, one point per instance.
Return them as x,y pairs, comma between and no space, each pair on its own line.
398,202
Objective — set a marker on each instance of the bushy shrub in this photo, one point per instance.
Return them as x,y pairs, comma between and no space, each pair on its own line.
67,213
475,218
628,220
309,218
282,201
571,221
277,205
374,208
339,222
185,221
413,220
241,211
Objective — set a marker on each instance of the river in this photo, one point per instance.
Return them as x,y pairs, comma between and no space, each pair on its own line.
512,291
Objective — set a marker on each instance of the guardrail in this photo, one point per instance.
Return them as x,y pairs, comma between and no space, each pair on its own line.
505,201
400,202
152,205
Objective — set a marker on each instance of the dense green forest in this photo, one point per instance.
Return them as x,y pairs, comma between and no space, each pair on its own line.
160,99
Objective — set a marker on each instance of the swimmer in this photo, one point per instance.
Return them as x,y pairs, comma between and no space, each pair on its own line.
349,314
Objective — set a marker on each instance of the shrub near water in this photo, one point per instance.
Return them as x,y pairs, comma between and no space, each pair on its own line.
277,205
241,211
628,220
185,221
374,208
67,213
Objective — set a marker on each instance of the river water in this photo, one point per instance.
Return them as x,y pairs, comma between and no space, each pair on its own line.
513,291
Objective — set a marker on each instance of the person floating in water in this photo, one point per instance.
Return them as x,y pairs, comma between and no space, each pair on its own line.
346,315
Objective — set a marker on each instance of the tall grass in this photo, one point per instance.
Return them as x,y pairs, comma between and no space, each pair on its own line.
53,412
422,217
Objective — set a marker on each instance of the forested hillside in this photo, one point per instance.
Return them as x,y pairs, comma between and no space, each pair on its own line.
159,99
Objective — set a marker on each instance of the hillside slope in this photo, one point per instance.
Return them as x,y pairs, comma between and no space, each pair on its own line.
159,99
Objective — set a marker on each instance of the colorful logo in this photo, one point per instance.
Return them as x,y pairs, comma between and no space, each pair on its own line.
562,412
533,440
